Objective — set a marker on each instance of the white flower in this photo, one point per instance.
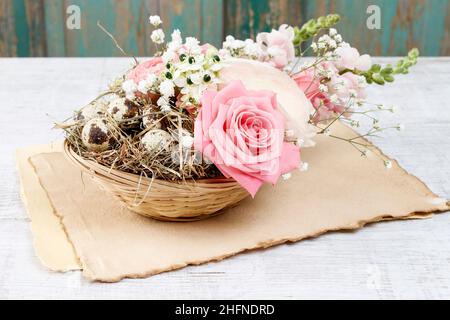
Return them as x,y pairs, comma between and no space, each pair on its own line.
180,80
166,88
338,38
129,86
196,78
155,20
216,67
169,55
187,141
130,96
287,176
252,49
237,44
333,44
323,88
334,98
192,45
164,104
143,86
333,32
157,36
304,166
151,79
176,44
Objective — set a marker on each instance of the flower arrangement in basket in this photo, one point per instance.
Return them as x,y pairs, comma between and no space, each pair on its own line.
197,129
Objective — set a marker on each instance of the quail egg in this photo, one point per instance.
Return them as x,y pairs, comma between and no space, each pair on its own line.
156,140
122,109
150,117
96,135
93,110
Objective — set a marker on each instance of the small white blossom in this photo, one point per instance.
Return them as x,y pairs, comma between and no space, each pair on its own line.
192,45
176,36
323,88
167,88
338,38
287,176
158,36
155,20
129,86
333,32
334,98
304,166
332,44
164,104
168,56
130,96
196,78
144,86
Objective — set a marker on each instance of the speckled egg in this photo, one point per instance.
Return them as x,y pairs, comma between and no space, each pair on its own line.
155,140
122,109
96,135
93,110
150,117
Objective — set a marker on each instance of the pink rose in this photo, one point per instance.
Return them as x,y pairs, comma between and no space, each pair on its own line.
142,70
349,58
347,84
242,133
309,83
278,45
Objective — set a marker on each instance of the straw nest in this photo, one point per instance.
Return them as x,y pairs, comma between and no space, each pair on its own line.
166,181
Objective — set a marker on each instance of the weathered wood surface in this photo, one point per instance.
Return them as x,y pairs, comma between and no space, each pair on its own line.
391,260
38,27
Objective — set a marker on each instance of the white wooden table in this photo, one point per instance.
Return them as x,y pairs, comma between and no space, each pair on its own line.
390,260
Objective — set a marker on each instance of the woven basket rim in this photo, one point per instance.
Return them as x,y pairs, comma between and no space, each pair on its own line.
91,166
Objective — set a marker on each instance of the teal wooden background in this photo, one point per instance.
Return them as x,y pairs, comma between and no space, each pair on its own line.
38,27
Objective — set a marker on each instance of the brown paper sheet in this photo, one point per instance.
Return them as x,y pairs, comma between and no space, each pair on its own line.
340,190
50,240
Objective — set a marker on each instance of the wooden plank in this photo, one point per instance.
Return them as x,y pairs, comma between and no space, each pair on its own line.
8,40
445,48
55,25
212,22
21,28
183,15
89,40
35,21
404,24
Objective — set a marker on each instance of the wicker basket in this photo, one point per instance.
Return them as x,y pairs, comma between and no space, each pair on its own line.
160,199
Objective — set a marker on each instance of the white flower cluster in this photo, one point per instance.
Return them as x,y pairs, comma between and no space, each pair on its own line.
189,67
188,70
248,49
328,43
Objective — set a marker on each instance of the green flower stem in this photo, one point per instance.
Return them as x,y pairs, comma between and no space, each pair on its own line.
380,75
313,27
